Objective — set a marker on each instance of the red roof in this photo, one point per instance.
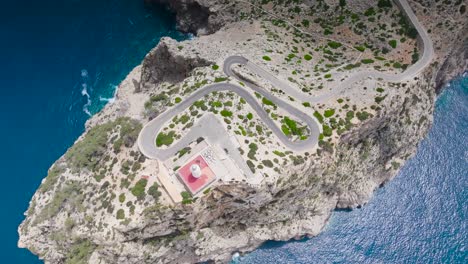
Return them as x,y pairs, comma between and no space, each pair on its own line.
193,184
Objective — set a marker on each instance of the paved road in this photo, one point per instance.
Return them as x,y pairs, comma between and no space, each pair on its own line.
147,137
341,85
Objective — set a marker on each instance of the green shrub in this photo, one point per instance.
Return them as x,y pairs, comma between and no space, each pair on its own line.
328,76
318,116
379,99
362,115
380,89
80,252
267,163
266,58
139,189
251,165
215,67
278,153
329,112
249,116
306,104
397,65
186,197
154,191
165,139
307,57
292,125
120,214
367,61
122,197
393,43
327,131
360,48
226,113
220,79
265,101
334,44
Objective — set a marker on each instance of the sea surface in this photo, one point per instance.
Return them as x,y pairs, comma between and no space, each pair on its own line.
419,217
61,62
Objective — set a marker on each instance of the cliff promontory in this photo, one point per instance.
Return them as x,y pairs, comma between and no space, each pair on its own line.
275,114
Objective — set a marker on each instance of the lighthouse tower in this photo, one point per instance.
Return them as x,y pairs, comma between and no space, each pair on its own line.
196,171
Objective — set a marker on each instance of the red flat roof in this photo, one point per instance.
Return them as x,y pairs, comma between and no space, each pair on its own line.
193,184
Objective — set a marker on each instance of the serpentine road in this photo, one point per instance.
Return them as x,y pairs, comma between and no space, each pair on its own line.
147,136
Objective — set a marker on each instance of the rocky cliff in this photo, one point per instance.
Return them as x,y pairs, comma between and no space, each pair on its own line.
78,215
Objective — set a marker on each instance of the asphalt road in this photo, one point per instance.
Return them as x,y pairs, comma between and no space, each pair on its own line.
147,137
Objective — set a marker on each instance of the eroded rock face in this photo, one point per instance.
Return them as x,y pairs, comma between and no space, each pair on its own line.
193,16
166,63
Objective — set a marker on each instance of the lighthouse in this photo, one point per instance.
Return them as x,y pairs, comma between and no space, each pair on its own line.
196,171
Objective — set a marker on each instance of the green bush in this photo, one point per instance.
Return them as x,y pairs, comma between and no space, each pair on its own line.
360,48
267,163
334,44
226,113
220,79
392,43
327,131
80,252
186,197
154,191
318,116
367,61
306,104
215,67
122,198
328,76
251,165
380,89
165,139
249,116
265,101
307,57
139,189
266,58
177,100
278,153
329,112
120,214
292,125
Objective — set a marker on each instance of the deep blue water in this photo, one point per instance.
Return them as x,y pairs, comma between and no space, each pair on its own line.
419,217
51,52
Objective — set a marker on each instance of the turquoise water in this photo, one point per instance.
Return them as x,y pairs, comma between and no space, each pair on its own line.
56,53
60,61
419,217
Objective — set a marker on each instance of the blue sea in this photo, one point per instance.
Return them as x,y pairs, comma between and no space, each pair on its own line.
61,62
419,217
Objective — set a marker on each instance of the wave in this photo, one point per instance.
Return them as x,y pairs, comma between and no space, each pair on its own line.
111,99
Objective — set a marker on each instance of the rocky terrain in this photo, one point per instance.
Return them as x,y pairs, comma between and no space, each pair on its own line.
97,205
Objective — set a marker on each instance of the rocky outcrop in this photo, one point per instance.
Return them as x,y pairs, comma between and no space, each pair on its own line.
455,63
193,16
166,63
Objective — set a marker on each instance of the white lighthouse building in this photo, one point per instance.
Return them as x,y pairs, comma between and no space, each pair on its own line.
196,171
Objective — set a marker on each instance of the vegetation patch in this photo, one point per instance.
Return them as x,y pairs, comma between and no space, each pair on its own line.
139,189
165,139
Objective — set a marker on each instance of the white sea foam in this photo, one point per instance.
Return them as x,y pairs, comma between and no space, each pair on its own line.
112,99
84,91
